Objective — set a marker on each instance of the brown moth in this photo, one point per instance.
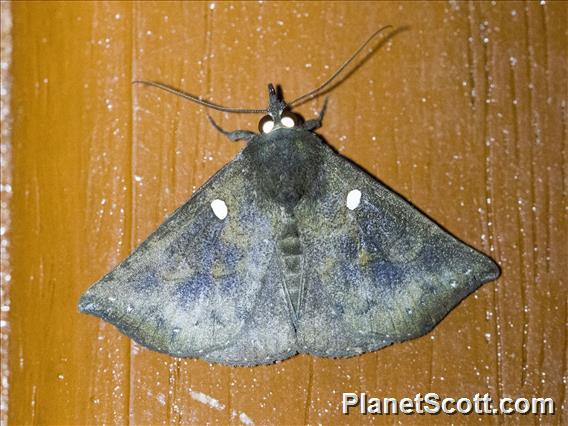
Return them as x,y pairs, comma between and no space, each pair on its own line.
289,248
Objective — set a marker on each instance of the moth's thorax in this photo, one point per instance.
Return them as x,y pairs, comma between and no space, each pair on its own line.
286,164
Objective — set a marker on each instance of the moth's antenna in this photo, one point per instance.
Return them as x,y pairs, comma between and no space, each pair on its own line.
198,100
316,91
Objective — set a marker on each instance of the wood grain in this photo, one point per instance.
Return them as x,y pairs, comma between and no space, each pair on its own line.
462,111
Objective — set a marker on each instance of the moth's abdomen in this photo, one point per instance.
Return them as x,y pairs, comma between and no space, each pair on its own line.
291,253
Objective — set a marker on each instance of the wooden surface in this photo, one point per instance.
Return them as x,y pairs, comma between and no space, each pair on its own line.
462,111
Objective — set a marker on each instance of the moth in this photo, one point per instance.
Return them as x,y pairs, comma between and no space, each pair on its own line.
289,248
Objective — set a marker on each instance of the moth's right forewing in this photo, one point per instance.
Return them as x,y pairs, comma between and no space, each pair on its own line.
193,287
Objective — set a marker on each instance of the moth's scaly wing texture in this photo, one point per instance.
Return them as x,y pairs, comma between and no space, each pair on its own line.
380,273
204,287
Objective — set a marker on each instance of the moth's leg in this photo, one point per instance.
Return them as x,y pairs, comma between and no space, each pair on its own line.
316,123
236,135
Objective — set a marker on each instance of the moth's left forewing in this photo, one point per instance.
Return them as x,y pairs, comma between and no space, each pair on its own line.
377,270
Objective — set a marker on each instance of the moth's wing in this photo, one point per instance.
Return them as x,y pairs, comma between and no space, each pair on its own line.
201,286
380,273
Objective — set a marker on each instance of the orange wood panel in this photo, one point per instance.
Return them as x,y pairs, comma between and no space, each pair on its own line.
462,111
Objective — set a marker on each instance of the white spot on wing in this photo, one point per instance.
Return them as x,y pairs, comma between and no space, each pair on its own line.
219,208
353,199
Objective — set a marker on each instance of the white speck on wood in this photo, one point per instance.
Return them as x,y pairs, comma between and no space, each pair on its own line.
218,405
206,399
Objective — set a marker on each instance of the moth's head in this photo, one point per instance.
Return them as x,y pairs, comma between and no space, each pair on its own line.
278,112
279,115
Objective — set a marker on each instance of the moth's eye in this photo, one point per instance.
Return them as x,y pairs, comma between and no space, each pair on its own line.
288,121
266,124
353,199
219,208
